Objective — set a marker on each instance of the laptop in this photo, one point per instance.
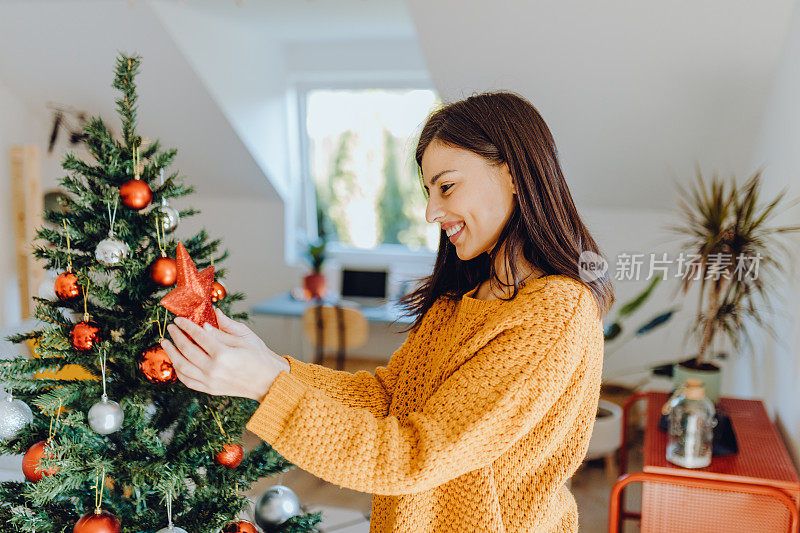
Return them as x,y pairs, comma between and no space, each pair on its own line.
364,287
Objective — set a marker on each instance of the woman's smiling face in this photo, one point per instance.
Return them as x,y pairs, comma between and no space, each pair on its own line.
464,188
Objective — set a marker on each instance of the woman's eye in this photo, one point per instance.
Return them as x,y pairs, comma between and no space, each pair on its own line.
448,186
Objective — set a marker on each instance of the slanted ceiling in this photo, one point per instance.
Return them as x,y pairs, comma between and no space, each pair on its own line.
65,51
634,92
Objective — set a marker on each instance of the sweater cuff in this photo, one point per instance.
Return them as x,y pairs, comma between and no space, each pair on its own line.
282,399
305,372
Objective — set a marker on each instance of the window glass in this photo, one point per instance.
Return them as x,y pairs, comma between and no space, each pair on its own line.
361,146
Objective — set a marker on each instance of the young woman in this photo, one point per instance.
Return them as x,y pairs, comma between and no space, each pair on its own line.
485,411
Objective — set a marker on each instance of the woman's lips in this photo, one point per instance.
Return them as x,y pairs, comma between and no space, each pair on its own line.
454,237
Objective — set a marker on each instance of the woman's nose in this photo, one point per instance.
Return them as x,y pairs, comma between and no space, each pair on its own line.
432,211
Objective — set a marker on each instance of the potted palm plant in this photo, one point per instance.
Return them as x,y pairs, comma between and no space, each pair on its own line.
733,251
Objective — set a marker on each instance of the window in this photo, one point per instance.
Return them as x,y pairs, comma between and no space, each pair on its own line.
357,160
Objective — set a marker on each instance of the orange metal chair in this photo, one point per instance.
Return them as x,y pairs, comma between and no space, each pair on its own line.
615,514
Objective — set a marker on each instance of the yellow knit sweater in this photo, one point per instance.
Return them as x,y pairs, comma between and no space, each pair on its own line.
474,425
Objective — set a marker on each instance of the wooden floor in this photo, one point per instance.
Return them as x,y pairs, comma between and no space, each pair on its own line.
347,511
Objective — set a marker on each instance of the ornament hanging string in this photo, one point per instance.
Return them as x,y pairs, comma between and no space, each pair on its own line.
217,419
86,315
169,508
162,330
54,422
137,158
103,355
160,234
98,489
69,249
112,218
135,162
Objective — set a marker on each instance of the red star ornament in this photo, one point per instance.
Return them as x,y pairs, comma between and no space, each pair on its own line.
191,297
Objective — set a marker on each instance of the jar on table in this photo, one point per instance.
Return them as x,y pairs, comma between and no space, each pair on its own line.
691,424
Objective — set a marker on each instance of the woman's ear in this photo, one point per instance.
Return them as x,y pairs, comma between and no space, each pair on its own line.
510,177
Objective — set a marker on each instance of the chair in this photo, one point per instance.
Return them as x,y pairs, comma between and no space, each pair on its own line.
338,326
713,515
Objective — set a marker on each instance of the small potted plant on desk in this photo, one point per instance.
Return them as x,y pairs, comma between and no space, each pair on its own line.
314,283
732,252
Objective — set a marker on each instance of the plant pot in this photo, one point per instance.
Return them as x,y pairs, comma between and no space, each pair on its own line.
710,374
314,285
607,433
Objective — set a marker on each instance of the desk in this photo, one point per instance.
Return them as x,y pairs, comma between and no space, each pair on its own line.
286,305
750,491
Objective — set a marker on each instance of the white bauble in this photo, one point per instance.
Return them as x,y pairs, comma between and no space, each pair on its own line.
170,217
172,529
14,415
47,288
106,417
111,251
275,506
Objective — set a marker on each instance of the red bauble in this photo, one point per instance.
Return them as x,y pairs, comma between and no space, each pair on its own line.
30,462
135,194
218,292
157,366
164,271
231,455
242,526
84,336
98,521
67,286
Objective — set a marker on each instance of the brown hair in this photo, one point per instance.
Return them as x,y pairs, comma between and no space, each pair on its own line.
545,227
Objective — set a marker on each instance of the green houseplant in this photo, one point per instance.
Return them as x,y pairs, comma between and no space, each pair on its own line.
314,283
733,250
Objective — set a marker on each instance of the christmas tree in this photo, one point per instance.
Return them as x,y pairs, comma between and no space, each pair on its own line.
123,446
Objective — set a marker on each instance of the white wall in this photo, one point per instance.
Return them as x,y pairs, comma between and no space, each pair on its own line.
773,370
17,126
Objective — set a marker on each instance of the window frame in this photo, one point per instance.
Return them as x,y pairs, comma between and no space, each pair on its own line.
383,255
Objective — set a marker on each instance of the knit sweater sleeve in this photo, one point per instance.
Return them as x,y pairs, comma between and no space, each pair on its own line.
493,399
359,390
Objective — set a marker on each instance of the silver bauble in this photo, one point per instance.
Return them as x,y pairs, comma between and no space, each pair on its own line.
172,529
14,415
169,215
47,288
111,251
106,416
275,506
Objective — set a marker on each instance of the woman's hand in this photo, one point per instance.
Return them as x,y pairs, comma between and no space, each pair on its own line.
229,361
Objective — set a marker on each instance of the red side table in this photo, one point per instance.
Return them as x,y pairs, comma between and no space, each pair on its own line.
754,491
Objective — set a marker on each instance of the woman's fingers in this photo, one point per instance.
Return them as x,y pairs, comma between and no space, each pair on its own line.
180,362
227,338
200,336
188,349
193,383
230,325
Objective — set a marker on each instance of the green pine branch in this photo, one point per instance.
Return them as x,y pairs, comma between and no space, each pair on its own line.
169,437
